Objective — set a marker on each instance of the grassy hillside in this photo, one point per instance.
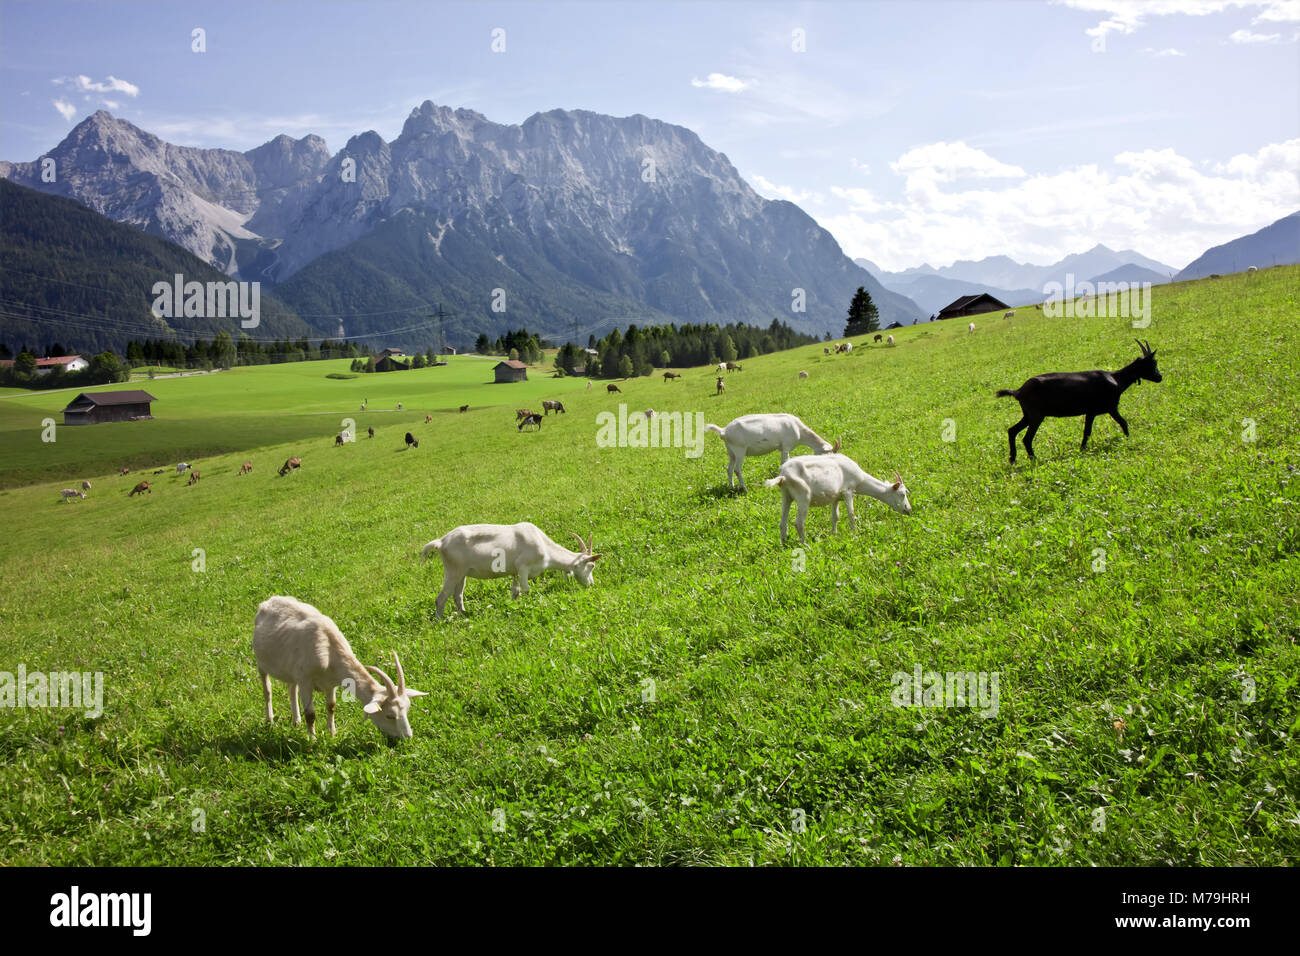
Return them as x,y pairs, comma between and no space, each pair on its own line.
1138,602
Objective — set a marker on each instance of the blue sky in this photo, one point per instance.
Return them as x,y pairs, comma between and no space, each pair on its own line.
914,131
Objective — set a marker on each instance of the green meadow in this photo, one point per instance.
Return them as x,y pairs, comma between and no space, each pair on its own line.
714,698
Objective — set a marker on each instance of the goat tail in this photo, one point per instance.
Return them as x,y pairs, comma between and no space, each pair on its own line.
1006,393
713,428
434,545
773,482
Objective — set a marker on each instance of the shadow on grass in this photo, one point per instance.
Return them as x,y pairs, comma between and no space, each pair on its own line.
717,493
264,743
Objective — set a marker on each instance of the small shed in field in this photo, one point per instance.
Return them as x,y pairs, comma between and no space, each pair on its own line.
94,408
448,350
511,371
972,305
386,363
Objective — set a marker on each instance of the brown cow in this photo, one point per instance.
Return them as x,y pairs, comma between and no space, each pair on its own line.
140,489
289,465
246,467
194,476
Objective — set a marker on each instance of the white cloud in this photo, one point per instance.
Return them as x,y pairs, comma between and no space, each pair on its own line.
1245,36
1168,51
860,167
720,81
84,84
1127,16
1156,201
770,190
946,162
66,109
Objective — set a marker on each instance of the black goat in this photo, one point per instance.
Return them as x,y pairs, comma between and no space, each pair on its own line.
411,441
1066,394
532,418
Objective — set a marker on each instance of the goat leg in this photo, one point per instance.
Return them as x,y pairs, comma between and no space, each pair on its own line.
1120,419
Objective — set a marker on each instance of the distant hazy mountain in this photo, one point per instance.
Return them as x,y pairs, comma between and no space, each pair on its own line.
933,292
1274,245
1131,273
1002,272
73,276
581,220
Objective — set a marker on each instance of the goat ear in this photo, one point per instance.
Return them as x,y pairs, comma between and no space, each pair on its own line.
593,558
895,485
412,692
372,707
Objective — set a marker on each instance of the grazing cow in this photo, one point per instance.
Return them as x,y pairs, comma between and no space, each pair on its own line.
70,493
411,441
668,375
557,407
722,386
290,465
1067,394
140,489
464,408
246,467
85,486
878,338
370,432
613,388
338,441
533,419
194,477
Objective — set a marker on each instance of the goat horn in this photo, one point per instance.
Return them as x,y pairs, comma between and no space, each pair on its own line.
898,477
388,681
401,678
580,541
591,536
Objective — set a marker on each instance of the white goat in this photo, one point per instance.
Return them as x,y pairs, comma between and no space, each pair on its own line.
295,643
181,468
1007,316
970,328
890,340
751,435
85,486
70,493
521,551
827,480
848,346
803,374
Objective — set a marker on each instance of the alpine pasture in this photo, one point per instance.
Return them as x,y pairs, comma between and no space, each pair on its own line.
713,698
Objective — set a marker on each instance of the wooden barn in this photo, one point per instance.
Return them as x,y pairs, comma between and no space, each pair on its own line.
972,305
387,363
511,371
94,408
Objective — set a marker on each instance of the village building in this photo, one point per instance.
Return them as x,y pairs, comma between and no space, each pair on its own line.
972,305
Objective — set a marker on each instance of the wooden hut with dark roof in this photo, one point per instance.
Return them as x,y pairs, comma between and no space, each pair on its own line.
95,408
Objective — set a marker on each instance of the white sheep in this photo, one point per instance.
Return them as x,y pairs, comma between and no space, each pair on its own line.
822,480
70,493
521,551
751,435
890,340
803,374
295,643
970,328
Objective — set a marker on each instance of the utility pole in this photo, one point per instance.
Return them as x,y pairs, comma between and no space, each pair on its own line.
440,335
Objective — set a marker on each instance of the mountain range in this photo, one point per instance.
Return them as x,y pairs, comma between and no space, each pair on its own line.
569,223
1277,244
1016,283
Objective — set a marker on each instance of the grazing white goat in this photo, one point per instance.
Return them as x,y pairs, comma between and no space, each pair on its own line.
891,340
295,643
521,551
848,346
803,374
970,328
181,468
1007,316
827,480
85,486
70,493
751,435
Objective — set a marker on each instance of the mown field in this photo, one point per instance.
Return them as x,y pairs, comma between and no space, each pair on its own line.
201,415
714,698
